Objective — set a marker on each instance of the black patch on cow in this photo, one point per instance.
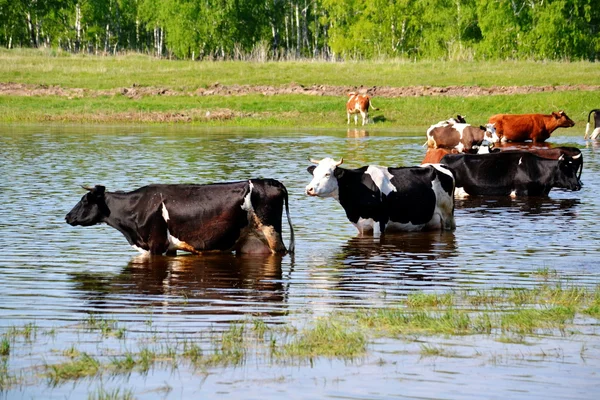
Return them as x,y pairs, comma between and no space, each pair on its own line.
412,202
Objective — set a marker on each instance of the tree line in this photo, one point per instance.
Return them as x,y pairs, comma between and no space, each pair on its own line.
309,29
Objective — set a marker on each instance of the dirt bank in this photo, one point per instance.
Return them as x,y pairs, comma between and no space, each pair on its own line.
134,92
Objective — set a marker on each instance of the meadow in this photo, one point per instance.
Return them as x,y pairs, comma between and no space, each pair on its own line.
59,87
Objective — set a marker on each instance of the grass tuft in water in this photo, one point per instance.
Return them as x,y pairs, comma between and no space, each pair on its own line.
114,394
4,347
328,338
80,367
424,300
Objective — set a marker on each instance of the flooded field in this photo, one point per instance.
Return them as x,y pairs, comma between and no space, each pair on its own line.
72,291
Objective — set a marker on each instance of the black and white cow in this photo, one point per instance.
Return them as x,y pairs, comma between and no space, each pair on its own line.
160,219
388,199
511,173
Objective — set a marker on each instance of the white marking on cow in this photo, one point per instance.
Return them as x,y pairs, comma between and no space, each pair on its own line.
460,147
521,160
444,207
139,249
461,129
247,204
165,213
513,194
382,178
367,225
460,193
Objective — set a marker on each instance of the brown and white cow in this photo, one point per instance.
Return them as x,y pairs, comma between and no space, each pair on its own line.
359,104
462,137
535,127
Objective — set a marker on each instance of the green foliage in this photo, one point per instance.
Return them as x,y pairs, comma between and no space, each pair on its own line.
329,29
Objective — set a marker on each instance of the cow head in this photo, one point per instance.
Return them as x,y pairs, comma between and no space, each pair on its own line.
490,134
567,174
91,209
562,120
325,174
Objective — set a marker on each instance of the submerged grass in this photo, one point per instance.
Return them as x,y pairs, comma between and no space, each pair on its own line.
506,315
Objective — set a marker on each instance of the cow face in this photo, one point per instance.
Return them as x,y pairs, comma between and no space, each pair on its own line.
324,182
490,133
567,174
563,120
90,210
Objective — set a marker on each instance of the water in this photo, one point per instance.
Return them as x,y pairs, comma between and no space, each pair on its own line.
55,276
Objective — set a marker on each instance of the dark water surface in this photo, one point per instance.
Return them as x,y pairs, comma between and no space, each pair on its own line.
55,276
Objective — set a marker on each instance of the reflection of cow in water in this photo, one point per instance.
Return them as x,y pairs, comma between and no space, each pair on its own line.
211,284
390,259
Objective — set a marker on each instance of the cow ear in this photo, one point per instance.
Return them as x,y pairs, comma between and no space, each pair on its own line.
556,115
482,127
311,169
338,172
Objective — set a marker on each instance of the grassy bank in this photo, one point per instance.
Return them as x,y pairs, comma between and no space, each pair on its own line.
286,110
93,74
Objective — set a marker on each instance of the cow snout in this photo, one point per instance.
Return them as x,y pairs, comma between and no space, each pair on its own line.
310,190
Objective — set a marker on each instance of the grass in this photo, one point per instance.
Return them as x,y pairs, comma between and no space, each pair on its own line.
92,72
290,110
506,315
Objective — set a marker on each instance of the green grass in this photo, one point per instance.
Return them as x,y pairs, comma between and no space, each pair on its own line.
287,110
84,71
298,110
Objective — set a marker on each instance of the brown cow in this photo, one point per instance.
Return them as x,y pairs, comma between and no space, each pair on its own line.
433,156
359,104
535,127
462,137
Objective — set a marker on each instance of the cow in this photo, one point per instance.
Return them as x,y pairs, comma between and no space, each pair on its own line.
513,173
386,199
433,156
523,127
462,137
596,131
359,104
552,153
243,216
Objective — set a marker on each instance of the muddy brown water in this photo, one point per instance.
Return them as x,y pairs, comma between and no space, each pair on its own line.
55,276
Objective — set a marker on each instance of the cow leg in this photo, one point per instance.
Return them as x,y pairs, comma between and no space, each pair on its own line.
365,117
348,118
355,119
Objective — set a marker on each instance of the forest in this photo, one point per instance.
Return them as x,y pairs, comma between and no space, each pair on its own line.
332,30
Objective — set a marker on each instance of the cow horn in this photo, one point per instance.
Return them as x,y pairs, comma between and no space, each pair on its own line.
88,188
312,160
339,162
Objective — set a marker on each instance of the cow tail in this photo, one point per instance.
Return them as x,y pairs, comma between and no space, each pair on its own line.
372,106
292,247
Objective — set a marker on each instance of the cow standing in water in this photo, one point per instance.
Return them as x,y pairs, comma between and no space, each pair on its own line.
511,173
462,137
160,219
359,104
388,199
535,127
